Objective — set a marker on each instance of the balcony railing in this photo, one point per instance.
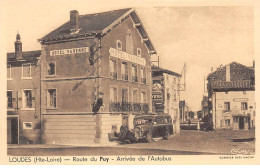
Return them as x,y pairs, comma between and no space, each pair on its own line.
143,80
134,79
113,75
124,77
129,107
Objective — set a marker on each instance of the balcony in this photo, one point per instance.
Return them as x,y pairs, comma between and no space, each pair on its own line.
134,79
113,75
124,77
143,80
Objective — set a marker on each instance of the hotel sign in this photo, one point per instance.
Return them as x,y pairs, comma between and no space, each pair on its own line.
69,51
128,57
240,99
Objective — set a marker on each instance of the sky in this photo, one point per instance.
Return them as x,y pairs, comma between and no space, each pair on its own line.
201,36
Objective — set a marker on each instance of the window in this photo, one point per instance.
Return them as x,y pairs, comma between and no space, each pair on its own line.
27,98
142,74
174,96
51,98
112,68
134,96
27,125
226,106
129,42
124,95
26,70
139,53
143,97
134,73
243,105
51,69
124,71
9,99
113,94
227,123
9,72
118,45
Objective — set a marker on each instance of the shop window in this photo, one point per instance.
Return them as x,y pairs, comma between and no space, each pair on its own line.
243,105
27,99
129,42
118,45
9,76
26,71
139,53
27,125
51,98
9,99
226,106
52,68
112,68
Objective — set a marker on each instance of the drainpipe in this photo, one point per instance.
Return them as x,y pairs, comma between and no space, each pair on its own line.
215,101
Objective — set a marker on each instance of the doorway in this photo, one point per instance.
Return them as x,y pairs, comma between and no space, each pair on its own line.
241,123
12,130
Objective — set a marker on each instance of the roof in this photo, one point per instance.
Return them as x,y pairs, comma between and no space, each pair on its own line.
98,24
26,55
158,69
241,77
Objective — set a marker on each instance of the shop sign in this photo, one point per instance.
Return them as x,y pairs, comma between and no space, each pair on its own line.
127,57
240,99
69,51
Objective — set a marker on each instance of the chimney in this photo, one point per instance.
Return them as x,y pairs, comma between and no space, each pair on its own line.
74,21
18,47
228,73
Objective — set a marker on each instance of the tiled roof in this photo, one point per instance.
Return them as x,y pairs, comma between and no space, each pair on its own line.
88,24
241,77
99,24
26,55
158,69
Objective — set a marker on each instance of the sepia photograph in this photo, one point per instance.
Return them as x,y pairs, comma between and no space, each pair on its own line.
124,82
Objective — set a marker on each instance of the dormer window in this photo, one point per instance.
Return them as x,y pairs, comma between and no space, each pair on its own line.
139,52
118,45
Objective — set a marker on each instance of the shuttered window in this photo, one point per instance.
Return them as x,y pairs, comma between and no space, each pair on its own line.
51,98
9,99
26,70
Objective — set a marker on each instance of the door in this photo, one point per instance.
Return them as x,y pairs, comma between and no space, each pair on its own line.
12,130
241,123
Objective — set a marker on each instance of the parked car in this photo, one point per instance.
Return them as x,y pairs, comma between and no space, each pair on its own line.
149,126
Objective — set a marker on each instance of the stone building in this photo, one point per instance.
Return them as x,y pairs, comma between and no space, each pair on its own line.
231,92
166,94
23,96
95,75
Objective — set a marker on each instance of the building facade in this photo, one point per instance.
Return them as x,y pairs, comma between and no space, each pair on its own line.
23,96
166,94
231,92
96,76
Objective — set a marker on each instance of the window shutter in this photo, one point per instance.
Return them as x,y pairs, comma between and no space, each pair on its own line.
33,98
14,99
20,100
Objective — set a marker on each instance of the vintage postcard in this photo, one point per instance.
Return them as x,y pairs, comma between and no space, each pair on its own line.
129,82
